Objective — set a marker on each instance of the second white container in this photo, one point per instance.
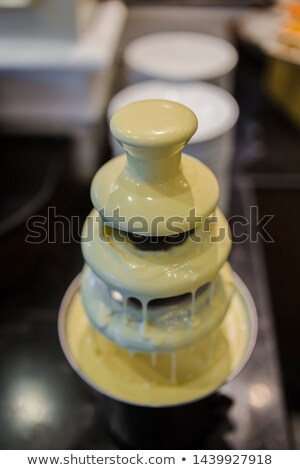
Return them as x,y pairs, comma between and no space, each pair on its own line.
181,56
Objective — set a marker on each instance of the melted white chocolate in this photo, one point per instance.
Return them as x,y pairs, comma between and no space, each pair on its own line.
158,379
155,181
174,352
194,186
166,326
155,274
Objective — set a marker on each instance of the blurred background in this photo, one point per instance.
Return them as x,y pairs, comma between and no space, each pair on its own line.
65,67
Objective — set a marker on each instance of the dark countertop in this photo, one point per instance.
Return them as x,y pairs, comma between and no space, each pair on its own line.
44,405
259,408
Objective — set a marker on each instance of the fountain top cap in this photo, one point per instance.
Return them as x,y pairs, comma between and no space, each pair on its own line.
153,124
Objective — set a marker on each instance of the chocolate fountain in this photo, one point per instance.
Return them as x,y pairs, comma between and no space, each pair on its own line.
160,321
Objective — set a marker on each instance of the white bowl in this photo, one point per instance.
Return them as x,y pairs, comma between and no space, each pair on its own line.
217,113
180,56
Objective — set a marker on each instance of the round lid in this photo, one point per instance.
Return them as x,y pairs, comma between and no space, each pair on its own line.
154,124
154,191
216,110
181,56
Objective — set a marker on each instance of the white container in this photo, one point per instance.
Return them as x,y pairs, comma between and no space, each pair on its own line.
181,57
217,113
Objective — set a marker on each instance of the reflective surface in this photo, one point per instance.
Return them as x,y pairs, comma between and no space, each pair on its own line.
44,405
